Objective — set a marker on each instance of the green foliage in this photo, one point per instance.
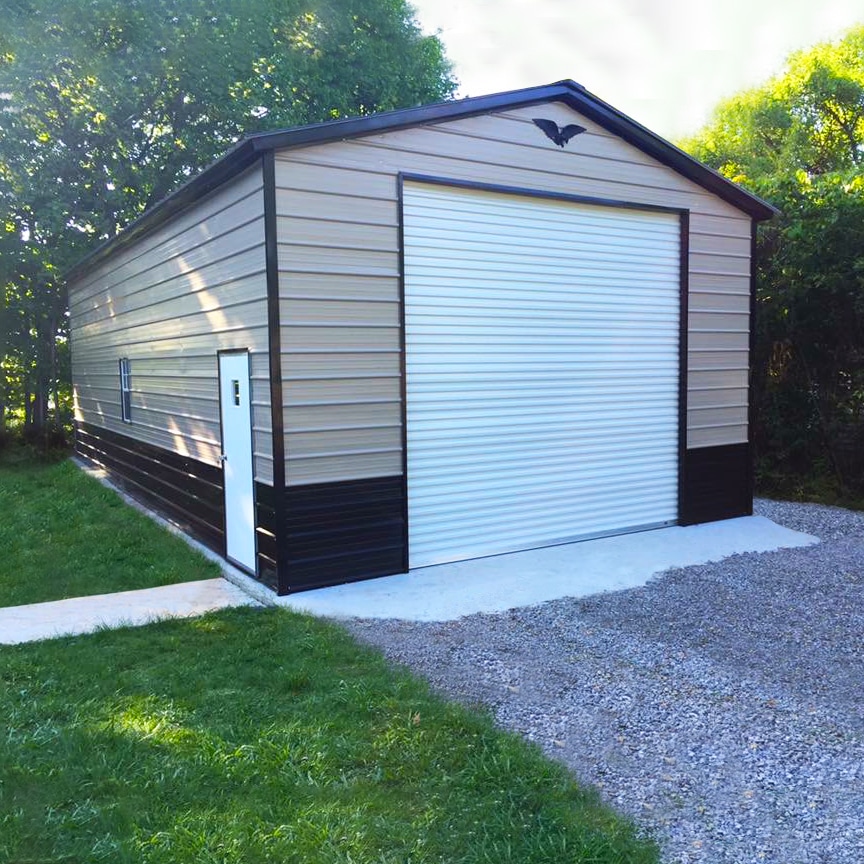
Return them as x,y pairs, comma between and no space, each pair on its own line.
806,122
811,334
257,735
108,105
799,141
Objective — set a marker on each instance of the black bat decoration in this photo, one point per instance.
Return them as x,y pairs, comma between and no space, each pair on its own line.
559,135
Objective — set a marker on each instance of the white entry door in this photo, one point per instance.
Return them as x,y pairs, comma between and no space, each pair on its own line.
237,458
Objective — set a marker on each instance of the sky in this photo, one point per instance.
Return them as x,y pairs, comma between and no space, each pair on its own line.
666,63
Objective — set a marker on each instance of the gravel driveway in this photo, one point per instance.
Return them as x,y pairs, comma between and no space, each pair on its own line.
722,706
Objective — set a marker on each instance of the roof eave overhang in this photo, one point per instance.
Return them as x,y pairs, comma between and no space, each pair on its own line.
247,152
569,92
664,151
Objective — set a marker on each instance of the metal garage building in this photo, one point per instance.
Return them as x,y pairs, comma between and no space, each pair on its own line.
351,349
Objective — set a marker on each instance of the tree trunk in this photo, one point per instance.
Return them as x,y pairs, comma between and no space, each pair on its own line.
54,384
43,353
827,436
40,405
5,319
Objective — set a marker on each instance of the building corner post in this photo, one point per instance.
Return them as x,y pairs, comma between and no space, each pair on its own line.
271,250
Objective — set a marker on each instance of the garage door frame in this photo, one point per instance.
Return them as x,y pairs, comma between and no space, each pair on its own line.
683,270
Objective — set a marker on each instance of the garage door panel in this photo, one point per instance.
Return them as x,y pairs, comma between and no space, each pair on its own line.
472,527
487,390
591,442
522,433
538,471
582,375
547,269
485,277
589,418
440,208
475,300
647,327
592,522
576,365
592,518
474,491
618,254
592,296
542,371
464,518
478,343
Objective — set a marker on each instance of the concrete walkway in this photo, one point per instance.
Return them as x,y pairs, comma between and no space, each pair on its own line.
87,614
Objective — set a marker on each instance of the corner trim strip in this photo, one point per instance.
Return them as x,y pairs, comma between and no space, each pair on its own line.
271,251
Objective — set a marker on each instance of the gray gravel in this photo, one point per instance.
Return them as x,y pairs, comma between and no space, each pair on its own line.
721,706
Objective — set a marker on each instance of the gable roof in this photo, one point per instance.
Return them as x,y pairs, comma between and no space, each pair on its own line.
247,151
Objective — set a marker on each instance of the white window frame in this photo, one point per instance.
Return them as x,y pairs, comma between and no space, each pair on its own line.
125,390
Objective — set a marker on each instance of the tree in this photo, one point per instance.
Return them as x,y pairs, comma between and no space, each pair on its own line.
108,105
799,142
808,119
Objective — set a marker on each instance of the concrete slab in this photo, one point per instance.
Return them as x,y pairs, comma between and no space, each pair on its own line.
449,591
86,614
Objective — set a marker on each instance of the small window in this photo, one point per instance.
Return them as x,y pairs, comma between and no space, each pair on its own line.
125,391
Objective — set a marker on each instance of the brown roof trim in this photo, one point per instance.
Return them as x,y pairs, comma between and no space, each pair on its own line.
236,160
664,151
247,151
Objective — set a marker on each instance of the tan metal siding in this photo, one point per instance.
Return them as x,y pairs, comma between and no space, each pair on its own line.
338,250
155,269
169,302
339,290
719,307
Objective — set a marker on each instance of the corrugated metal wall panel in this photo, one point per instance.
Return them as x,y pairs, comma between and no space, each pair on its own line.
169,302
339,186
542,352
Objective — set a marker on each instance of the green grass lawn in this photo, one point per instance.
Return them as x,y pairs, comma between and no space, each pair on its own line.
248,735
255,735
63,534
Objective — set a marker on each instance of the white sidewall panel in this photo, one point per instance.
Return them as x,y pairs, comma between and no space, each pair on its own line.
542,371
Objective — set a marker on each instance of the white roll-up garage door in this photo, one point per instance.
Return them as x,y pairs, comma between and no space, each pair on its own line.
542,371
